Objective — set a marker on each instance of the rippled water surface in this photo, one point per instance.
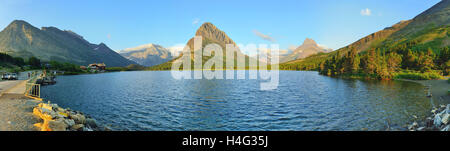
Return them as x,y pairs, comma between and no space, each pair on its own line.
153,100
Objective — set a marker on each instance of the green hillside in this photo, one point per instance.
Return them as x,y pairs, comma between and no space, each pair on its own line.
415,49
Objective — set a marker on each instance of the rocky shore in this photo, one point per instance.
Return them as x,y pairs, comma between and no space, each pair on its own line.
438,121
55,118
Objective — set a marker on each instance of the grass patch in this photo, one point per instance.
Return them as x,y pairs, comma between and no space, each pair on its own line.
418,76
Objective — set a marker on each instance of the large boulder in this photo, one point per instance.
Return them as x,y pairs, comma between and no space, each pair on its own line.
69,122
413,126
437,120
48,112
78,118
57,125
447,128
445,118
77,127
91,122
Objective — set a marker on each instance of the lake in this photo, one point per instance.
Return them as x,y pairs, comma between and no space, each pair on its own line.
154,101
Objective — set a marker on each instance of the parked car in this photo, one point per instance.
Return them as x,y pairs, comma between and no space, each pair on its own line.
5,76
13,76
9,76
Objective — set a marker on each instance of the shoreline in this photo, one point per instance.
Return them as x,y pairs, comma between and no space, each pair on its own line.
19,112
439,88
438,120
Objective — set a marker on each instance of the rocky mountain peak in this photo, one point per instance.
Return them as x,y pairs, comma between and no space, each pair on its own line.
210,32
309,41
17,25
148,54
21,39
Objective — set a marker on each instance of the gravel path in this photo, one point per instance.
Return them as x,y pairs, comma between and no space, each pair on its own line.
16,110
16,113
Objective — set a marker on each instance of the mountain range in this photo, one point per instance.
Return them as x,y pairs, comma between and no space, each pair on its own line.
21,39
148,55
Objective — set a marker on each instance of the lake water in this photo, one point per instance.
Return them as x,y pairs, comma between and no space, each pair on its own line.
153,100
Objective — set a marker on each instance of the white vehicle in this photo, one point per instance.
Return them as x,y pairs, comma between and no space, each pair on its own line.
5,76
9,76
13,76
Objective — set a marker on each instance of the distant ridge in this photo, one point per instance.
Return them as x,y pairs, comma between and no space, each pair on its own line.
21,39
148,55
308,48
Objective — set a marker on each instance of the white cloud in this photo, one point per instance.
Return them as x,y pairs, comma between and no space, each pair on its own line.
176,49
366,12
196,21
263,36
292,47
323,46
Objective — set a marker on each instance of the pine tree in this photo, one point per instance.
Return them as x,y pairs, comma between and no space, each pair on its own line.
371,64
394,61
425,62
409,60
356,64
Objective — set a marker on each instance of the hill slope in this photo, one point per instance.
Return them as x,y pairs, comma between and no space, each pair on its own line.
21,39
429,30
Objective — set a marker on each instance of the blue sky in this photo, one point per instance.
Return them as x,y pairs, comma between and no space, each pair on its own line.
129,23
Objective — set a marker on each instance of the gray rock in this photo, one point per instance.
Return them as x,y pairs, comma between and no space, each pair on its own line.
421,128
49,112
87,129
57,125
447,128
91,122
78,118
437,120
445,118
442,112
106,128
69,122
54,105
77,127
60,110
413,126
429,122
434,110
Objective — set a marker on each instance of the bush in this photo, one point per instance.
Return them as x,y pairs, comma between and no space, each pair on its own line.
132,67
418,75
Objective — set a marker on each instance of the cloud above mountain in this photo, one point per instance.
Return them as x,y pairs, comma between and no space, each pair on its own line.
176,49
264,36
366,12
196,21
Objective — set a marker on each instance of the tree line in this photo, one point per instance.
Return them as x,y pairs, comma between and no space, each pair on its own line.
35,63
382,64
